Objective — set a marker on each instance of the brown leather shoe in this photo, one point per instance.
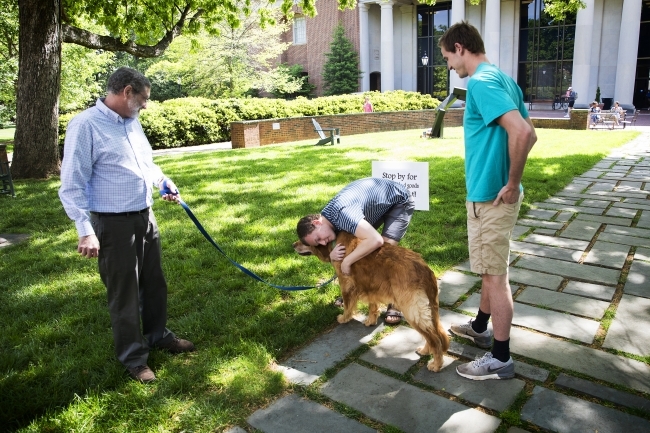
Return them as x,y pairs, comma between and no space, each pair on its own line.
178,345
142,373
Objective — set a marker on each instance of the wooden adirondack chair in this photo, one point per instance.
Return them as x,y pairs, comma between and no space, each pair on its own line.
6,183
327,135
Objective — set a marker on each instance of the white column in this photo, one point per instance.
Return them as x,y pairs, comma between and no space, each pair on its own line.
387,62
457,15
628,45
407,48
493,30
364,48
582,54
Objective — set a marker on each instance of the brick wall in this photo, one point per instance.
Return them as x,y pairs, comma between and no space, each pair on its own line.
256,133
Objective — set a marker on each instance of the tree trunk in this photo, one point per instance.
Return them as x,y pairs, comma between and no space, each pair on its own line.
36,150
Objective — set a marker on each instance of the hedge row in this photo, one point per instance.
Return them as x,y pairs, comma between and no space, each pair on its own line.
193,121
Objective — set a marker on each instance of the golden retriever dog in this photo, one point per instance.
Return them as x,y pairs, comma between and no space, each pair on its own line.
390,275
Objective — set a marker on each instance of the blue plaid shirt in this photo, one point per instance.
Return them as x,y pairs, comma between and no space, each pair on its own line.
107,166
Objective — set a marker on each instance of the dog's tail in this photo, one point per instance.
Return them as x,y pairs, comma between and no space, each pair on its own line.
440,331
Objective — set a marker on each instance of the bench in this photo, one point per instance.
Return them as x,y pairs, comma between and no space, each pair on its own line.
607,120
332,134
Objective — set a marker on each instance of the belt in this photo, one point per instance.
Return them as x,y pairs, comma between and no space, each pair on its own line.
114,214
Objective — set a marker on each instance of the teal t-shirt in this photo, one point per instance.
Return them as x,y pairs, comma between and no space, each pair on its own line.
490,94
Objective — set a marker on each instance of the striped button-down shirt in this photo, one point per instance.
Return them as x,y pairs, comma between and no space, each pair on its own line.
107,166
368,199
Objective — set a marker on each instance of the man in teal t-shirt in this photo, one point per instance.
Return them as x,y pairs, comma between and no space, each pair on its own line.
498,138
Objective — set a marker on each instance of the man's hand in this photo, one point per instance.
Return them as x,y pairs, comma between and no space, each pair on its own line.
507,195
337,254
88,246
165,188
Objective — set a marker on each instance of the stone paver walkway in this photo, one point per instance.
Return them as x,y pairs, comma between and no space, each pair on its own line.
580,277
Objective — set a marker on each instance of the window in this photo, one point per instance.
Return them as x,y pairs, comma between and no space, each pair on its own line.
433,22
299,31
545,51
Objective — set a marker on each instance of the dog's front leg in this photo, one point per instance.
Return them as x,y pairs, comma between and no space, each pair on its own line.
350,298
373,314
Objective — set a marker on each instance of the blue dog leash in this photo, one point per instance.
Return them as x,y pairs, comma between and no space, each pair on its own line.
166,190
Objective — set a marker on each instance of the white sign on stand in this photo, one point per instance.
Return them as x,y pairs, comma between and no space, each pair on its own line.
413,175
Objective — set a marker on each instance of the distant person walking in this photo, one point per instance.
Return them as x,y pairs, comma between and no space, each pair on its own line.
367,105
498,137
571,98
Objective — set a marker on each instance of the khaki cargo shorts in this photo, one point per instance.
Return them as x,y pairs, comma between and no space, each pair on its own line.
488,231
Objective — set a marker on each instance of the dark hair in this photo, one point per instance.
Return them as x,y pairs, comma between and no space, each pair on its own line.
465,34
306,226
127,77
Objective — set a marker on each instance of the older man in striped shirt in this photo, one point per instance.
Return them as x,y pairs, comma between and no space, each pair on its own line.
107,180
361,208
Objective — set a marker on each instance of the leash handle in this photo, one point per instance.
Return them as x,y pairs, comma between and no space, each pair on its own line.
166,189
240,267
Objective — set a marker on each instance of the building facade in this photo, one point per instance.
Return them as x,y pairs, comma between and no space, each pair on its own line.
606,45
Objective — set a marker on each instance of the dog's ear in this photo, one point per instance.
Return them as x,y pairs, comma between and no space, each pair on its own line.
302,249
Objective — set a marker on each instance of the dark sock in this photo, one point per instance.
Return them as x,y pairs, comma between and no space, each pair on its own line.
480,323
501,350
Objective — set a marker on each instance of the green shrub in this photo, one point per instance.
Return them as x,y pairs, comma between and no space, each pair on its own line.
192,121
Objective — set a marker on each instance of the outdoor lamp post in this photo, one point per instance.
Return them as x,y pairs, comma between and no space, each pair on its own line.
425,62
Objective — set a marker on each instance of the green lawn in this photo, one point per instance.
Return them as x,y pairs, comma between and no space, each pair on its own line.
58,371
7,137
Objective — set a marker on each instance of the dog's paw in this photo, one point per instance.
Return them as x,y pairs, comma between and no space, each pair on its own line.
371,321
341,318
423,350
434,366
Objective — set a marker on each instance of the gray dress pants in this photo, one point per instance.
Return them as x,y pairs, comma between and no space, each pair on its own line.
130,267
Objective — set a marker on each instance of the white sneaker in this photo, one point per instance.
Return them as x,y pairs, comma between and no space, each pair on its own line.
566,115
487,367
465,330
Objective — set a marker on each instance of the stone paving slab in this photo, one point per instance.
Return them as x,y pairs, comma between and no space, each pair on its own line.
396,352
552,322
561,413
541,214
603,392
528,277
602,186
613,195
519,230
540,223
547,232
453,285
642,254
570,270
9,239
496,394
568,208
606,220
589,290
600,204
564,302
629,329
622,239
609,196
638,279
404,406
326,351
629,231
465,266
471,353
633,206
544,251
621,212
644,221
594,363
557,242
235,430
608,254
293,414
581,229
